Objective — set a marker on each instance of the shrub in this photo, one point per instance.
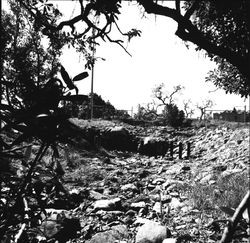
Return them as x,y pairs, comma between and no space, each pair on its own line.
173,116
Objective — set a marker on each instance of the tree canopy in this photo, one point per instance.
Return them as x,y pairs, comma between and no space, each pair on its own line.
31,92
221,28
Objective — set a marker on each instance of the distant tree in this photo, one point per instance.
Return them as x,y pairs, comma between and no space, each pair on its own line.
163,96
187,108
203,106
147,112
170,114
102,108
221,28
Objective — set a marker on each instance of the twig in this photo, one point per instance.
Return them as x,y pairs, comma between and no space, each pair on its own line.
229,230
19,148
210,91
24,185
119,43
26,218
19,234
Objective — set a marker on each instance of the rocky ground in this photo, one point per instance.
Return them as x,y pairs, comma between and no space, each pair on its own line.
127,197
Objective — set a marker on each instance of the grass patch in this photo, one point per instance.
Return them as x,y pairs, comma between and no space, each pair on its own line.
228,192
86,174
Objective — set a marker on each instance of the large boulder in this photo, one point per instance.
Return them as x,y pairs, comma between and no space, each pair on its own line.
119,138
115,234
152,232
107,204
95,134
151,146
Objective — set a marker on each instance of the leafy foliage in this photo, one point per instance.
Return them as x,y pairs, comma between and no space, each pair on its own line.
38,117
148,112
102,109
30,110
26,62
226,25
227,77
170,115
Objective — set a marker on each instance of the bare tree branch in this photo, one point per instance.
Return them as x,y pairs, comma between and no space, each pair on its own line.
119,43
176,90
177,6
188,111
188,32
203,106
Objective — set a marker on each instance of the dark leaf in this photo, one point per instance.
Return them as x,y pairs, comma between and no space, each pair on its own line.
22,138
66,78
4,144
20,127
7,154
27,153
81,76
54,82
55,151
8,84
6,107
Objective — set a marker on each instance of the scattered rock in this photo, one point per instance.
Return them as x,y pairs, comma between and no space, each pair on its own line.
175,203
117,233
96,195
111,204
138,205
146,187
170,240
152,232
129,187
158,207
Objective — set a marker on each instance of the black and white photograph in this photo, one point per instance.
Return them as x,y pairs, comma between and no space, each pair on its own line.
125,121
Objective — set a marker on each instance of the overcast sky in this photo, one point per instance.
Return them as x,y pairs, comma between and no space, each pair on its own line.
158,56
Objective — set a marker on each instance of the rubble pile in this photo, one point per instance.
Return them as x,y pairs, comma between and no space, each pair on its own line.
130,197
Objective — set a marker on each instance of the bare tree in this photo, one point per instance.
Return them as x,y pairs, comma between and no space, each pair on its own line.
160,98
164,97
148,111
187,108
203,106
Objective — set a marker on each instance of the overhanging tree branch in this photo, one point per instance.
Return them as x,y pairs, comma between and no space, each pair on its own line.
191,10
188,32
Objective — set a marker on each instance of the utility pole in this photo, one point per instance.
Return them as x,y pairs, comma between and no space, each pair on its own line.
92,79
92,90
245,113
